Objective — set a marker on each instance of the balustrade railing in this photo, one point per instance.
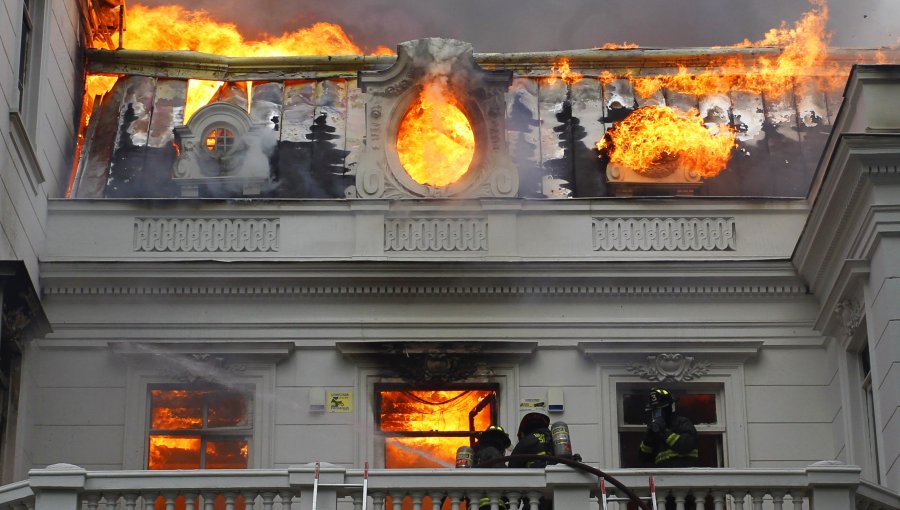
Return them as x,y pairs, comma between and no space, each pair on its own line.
823,486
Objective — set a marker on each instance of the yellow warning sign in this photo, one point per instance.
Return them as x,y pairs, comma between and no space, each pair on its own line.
339,401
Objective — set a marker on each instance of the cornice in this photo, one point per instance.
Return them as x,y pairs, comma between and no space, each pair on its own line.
365,279
718,350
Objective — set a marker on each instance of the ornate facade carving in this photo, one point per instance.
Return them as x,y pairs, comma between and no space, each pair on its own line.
435,234
206,235
851,314
664,234
482,97
669,367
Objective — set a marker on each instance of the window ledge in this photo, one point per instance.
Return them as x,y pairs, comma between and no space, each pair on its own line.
25,151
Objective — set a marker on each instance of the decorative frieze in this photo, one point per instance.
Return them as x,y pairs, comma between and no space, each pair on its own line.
668,367
206,235
435,234
664,234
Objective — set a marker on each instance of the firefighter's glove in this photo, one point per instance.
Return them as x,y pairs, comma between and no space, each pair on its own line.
576,457
658,426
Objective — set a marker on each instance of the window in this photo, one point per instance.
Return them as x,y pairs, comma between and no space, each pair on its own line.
25,49
702,405
870,469
424,427
199,428
219,141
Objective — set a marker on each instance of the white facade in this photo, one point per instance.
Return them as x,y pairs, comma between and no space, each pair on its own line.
769,308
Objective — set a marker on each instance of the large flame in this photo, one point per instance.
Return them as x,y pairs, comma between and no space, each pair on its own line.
172,27
804,53
562,71
429,411
435,142
655,140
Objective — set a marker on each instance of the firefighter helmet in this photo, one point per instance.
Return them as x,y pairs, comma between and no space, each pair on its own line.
532,421
497,434
658,398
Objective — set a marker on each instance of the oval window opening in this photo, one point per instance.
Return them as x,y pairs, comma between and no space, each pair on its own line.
435,142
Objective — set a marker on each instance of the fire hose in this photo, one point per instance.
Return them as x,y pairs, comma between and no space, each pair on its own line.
575,464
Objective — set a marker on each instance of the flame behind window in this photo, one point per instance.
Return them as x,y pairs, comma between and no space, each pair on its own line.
427,426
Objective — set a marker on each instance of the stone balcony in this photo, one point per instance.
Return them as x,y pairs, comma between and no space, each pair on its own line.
821,486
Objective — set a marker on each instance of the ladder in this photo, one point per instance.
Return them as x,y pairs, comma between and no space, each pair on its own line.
604,498
365,486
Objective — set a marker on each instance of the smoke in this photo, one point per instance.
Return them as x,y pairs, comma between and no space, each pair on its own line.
544,25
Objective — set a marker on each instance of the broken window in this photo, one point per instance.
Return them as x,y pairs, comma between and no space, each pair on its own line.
424,427
199,428
703,406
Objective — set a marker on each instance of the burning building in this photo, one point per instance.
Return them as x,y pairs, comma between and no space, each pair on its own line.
288,279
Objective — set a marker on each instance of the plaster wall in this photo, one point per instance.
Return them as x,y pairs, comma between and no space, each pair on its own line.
883,316
36,147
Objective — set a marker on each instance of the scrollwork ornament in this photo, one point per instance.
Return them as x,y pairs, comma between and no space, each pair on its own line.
851,314
670,367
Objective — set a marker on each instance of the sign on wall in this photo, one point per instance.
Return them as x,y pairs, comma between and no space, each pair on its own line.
339,401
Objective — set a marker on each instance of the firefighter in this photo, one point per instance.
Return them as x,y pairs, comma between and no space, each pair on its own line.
671,439
492,444
534,438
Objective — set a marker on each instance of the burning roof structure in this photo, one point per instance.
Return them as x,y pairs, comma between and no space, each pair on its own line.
748,120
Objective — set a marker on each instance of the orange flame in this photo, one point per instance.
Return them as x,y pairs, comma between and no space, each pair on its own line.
561,70
435,142
429,411
654,140
617,46
804,53
172,27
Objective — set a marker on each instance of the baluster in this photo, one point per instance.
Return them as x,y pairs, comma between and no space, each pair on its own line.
417,500
699,500
738,498
455,499
148,500
534,500
249,499
778,500
397,500
377,501
91,501
268,499
209,501
357,502
190,500
170,499
494,497
718,500
513,498
680,496
661,498
130,500
436,498
758,495
286,499
229,500
797,499
110,501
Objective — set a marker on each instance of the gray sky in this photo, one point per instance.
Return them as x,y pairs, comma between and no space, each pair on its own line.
537,25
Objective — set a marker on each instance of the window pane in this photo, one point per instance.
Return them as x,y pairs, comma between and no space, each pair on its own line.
176,409
227,409
699,407
226,454
167,452
432,410
633,408
422,452
710,449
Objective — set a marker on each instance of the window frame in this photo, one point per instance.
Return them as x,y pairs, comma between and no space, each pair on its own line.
720,428
204,433
30,62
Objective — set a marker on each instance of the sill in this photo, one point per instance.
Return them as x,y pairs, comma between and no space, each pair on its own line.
25,151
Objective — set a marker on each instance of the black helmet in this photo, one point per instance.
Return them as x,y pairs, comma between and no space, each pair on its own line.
495,433
658,398
533,421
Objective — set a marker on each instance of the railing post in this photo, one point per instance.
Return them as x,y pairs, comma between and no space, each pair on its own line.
571,489
57,487
832,485
330,478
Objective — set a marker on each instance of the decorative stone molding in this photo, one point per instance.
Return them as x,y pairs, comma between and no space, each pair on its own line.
669,367
206,235
851,314
699,291
664,234
435,234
